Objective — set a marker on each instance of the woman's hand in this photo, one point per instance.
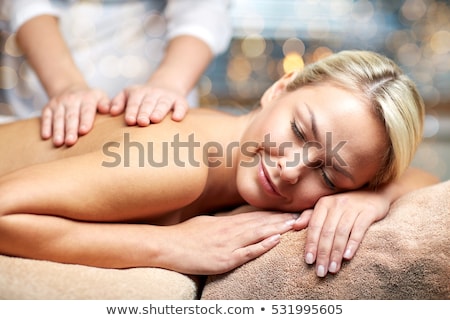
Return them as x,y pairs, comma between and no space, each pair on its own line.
217,244
336,227
145,104
72,113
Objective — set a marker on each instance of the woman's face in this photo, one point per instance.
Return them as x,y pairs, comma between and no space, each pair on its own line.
308,143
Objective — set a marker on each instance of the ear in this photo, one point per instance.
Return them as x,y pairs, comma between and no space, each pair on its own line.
278,87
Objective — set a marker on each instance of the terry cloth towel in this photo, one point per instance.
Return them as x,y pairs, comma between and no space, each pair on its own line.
402,257
36,280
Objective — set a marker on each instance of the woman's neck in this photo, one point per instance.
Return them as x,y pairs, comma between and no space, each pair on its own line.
224,134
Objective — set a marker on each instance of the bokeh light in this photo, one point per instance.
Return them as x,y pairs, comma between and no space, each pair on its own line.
253,46
292,62
440,42
239,69
320,53
8,79
362,11
11,47
294,45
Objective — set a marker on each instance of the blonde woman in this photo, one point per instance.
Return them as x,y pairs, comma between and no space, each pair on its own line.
332,142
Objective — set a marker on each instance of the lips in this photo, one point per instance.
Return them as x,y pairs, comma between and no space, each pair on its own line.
265,181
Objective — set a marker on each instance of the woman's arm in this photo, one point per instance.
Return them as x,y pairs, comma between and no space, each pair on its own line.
201,245
338,223
72,104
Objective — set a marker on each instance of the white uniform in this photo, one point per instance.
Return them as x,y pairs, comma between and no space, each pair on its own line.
114,43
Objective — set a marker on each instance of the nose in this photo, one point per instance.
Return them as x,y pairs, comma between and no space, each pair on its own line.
291,168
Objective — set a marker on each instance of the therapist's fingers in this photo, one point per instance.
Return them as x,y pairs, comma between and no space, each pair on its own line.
71,113
161,108
104,105
145,104
132,109
149,105
129,100
180,109
118,103
71,123
156,104
58,122
133,98
46,123
87,113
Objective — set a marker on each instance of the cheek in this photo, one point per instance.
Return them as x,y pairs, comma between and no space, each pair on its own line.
302,202
307,194
245,182
268,127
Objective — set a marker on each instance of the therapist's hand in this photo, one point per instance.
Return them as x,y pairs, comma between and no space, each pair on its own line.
71,114
145,104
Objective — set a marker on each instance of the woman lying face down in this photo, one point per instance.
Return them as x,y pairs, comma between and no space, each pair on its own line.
332,141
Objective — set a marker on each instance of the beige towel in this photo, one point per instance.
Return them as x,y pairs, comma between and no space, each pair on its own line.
33,280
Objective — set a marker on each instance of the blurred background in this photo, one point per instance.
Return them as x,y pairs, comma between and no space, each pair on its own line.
271,37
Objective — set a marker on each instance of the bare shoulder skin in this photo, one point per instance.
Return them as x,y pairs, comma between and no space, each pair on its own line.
115,173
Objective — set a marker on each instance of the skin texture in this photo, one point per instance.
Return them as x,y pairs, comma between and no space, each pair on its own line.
133,214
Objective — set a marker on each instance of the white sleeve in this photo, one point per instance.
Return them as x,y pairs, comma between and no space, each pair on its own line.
23,10
208,20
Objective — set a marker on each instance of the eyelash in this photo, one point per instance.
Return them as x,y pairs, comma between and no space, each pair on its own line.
327,180
297,131
301,136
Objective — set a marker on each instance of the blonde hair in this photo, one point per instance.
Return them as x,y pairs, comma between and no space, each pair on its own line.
392,95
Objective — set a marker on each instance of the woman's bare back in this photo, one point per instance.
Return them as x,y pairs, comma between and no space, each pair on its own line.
21,144
81,183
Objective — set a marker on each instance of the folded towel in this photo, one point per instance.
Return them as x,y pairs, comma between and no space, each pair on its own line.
404,256
36,280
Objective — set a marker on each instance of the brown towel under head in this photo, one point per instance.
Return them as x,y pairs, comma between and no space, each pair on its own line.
403,257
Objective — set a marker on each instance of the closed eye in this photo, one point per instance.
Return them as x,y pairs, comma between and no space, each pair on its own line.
327,180
297,131
324,175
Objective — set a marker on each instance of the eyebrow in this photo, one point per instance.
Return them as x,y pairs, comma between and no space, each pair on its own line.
314,131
